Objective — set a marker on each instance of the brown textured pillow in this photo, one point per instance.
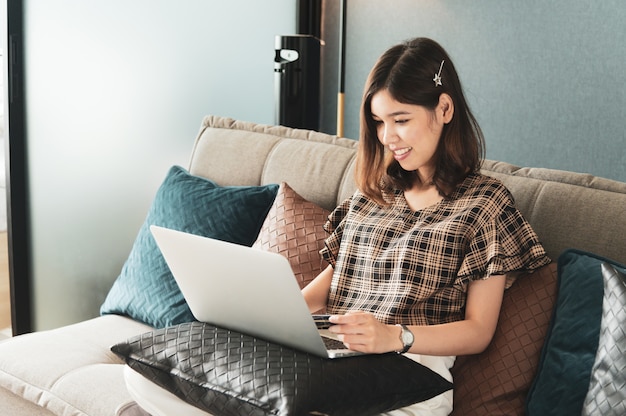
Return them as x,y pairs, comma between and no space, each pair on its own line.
293,228
497,381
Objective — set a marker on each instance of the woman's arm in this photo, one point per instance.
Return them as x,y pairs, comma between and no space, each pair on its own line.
316,292
361,331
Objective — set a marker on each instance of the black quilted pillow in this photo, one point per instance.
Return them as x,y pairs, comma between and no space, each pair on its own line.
227,373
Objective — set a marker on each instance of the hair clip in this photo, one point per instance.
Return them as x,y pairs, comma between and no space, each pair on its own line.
437,78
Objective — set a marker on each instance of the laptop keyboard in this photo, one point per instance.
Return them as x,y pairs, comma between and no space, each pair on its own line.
333,344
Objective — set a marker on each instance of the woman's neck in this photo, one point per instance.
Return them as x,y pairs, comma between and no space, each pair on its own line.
422,196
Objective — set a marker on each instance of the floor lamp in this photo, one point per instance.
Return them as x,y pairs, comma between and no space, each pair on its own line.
342,66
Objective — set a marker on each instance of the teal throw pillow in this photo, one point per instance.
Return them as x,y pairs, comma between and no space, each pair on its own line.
562,380
145,289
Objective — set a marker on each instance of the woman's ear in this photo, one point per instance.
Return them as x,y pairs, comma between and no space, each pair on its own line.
445,108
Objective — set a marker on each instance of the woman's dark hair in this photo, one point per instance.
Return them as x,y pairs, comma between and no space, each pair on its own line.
406,71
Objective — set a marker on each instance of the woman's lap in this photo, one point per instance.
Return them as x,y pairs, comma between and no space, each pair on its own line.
440,405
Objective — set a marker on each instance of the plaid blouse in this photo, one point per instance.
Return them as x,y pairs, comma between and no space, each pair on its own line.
414,267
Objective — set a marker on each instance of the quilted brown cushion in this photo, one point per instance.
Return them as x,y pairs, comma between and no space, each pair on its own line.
497,381
293,228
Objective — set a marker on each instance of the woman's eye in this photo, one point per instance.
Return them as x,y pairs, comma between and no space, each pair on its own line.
401,121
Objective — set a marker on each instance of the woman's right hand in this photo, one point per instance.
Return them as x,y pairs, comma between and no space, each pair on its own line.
361,331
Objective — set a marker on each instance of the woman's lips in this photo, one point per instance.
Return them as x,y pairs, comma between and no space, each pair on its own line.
400,154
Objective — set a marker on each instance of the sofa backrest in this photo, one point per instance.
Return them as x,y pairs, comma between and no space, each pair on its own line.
316,165
566,209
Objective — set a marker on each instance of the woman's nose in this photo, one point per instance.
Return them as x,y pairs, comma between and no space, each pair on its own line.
385,134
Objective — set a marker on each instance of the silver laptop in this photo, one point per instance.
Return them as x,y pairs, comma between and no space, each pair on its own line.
243,289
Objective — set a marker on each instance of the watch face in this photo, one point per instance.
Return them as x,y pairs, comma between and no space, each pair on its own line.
407,336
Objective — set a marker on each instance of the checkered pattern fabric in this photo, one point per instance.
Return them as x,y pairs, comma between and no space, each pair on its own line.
413,267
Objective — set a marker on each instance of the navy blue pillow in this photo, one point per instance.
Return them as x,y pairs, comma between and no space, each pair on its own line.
145,290
569,351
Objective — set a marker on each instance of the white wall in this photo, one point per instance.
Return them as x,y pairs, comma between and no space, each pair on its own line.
115,92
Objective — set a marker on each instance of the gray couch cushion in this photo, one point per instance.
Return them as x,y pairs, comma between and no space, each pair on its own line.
317,166
568,210
70,370
15,405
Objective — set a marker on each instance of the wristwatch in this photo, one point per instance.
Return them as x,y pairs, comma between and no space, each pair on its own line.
407,338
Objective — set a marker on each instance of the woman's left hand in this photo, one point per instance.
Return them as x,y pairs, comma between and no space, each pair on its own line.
361,331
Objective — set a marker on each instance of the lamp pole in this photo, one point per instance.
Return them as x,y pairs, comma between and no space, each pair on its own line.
342,67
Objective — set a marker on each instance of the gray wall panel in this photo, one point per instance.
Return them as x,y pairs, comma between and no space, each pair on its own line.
545,79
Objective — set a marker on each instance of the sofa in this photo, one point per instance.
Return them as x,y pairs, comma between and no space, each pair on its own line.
579,218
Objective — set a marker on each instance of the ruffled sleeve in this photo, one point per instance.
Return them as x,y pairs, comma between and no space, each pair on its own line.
504,244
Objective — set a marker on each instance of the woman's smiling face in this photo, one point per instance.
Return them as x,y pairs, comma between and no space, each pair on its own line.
410,132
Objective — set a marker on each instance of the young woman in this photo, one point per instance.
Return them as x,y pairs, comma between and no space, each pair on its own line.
421,254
